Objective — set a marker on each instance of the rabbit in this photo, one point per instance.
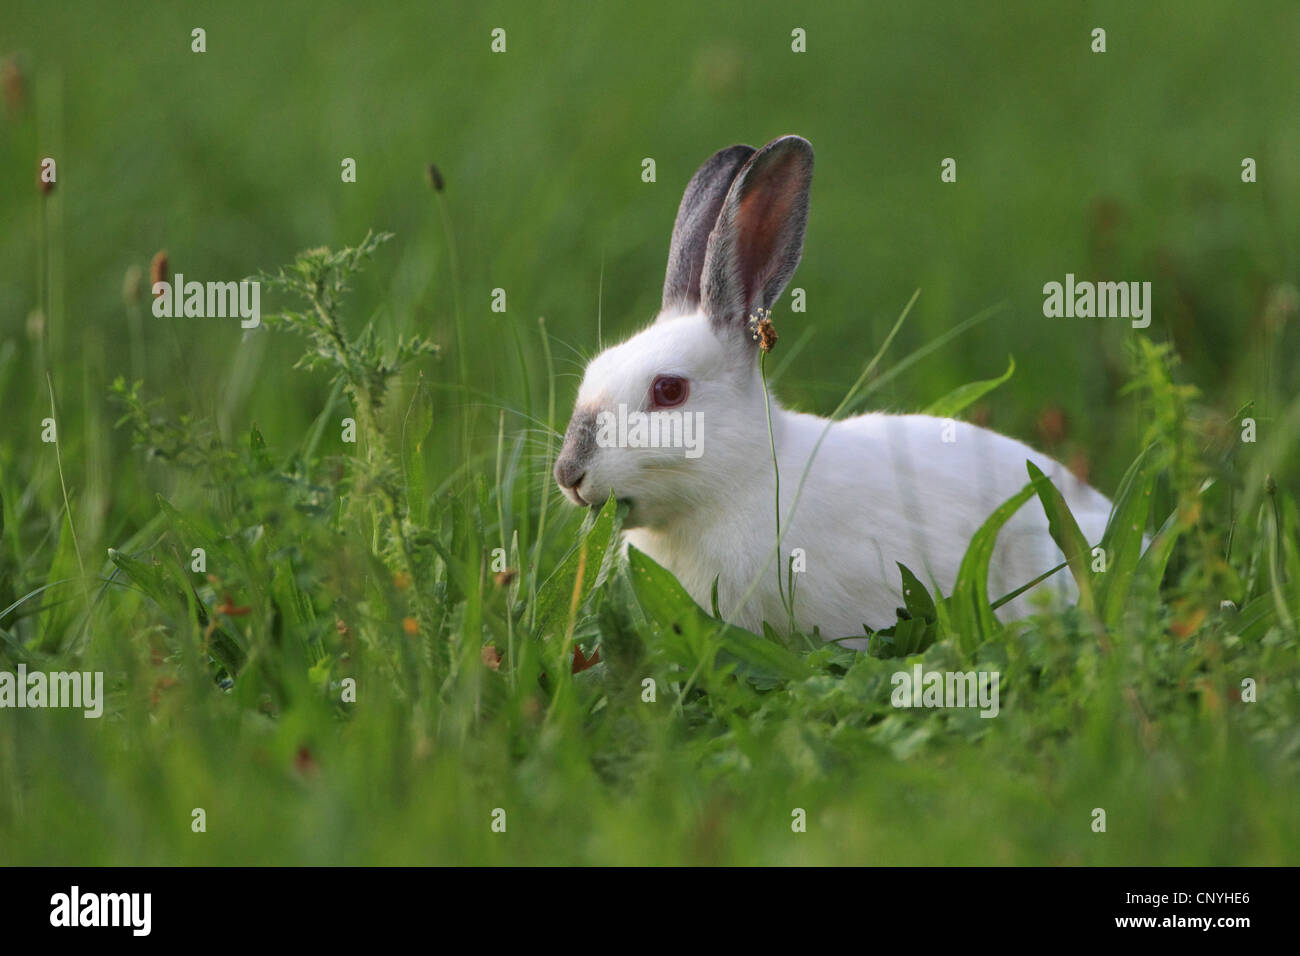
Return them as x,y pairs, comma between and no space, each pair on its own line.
881,488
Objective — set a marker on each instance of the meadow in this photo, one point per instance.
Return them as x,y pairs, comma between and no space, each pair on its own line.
408,648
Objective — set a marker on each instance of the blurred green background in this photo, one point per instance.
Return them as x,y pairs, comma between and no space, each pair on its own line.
1123,165
1118,166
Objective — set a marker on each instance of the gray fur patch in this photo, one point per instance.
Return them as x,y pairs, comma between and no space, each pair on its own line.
695,220
578,447
757,241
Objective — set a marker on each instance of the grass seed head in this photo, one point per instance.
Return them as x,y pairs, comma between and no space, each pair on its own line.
131,282
158,271
435,178
15,90
761,329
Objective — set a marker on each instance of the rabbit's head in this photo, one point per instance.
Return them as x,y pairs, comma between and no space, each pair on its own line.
673,420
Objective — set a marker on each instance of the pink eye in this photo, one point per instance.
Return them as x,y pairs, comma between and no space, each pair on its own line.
669,390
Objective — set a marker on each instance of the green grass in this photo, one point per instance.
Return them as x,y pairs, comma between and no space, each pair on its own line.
377,562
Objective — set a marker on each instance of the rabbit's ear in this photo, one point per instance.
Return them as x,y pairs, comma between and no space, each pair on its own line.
695,219
758,238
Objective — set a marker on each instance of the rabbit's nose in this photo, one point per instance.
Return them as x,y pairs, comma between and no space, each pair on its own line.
569,472
575,453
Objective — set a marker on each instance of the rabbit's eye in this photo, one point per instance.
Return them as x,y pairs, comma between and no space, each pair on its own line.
669,390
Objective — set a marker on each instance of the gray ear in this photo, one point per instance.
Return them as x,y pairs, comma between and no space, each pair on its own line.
695,218
758,238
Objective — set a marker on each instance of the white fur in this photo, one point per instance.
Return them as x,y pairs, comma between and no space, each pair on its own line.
881,489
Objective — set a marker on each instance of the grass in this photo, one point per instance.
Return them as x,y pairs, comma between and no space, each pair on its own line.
391,639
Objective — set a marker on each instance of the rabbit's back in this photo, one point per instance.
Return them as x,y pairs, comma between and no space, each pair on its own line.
881,489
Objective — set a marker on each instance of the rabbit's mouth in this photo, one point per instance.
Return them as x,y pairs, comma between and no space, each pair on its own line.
573,495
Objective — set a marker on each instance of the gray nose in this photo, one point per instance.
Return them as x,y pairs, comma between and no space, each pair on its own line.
569,472
579,444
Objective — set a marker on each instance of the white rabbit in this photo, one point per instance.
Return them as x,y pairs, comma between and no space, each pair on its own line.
881,488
